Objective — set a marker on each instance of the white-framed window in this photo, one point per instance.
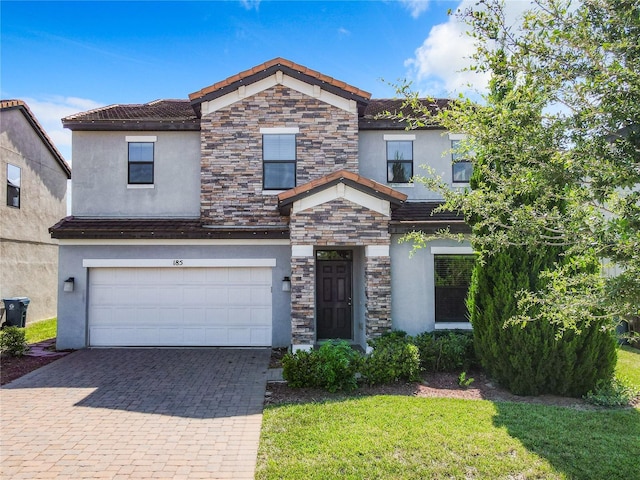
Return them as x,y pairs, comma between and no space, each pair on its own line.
141,160
279,160
14,181
461,168
140,163
399,161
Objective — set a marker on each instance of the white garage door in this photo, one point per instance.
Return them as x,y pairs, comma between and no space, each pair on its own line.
216,306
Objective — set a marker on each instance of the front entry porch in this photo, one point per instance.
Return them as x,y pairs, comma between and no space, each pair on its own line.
340,264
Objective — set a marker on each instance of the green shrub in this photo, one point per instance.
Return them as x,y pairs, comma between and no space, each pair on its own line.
337,366
531,359
611,393
332,367
446,351
394,357
299,369
13,341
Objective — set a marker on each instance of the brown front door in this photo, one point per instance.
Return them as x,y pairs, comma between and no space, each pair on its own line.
333,294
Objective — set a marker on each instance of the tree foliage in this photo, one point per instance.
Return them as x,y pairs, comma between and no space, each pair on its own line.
555,146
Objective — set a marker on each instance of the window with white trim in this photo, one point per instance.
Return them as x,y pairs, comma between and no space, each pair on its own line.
140,163
14,180
399,161
461,167
452,276
279,161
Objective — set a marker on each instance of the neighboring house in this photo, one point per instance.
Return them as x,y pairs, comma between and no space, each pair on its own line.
263,211
34,186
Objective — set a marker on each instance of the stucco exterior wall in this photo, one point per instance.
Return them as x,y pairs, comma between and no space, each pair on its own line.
413,285
72,311
430,147
100,176
232,185
28,255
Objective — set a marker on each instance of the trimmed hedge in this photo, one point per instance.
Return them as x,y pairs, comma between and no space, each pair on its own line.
396,356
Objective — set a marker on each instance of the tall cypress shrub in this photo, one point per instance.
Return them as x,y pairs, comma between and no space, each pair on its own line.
530,359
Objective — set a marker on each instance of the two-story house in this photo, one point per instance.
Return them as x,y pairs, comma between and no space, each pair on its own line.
33,195
265,210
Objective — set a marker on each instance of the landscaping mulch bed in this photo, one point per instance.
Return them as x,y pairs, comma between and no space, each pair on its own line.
441,384
15,367
39,355
433,385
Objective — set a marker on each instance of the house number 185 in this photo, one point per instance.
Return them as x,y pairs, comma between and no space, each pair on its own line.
177,263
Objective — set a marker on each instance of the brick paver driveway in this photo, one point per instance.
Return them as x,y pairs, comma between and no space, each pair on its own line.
136,413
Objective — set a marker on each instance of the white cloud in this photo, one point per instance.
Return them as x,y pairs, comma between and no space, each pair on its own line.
437,66
416,7
250,4
50,110
344,32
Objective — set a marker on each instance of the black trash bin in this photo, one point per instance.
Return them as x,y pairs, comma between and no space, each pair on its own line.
16,311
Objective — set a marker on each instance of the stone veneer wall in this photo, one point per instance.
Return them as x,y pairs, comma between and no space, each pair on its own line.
231,148
377,271
303,300
339,223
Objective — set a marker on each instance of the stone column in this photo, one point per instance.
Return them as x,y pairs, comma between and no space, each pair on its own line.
377,271
303,327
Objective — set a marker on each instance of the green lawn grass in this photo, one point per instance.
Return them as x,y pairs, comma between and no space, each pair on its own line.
394,437
39,331
628,366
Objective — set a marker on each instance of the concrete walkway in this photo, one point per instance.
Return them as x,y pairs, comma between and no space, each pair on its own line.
136,413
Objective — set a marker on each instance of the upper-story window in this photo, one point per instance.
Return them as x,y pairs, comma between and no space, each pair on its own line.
399,161
13,185
462,168
279,161
141,163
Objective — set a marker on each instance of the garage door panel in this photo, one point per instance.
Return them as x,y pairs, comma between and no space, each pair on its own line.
215,306
239,275
261,276
261,336
261,316
217,276
169,316
260,296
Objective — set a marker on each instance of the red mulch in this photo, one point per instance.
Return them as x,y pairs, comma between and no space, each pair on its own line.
39,355
15,367
433,385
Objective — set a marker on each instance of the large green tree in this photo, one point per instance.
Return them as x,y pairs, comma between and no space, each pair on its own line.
560,128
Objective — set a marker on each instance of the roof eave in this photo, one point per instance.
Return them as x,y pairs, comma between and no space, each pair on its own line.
142,125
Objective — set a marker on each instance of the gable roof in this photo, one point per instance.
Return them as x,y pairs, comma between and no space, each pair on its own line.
31,118
269,68
363,184
157,115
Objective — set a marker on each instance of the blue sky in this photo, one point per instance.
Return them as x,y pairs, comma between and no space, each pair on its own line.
67,57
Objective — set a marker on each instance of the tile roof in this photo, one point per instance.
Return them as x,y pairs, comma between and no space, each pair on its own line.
31,118
421,216
268,68
169,114
156,228
285,199
372,115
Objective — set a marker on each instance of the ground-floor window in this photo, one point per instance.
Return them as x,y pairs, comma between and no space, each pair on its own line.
452,279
